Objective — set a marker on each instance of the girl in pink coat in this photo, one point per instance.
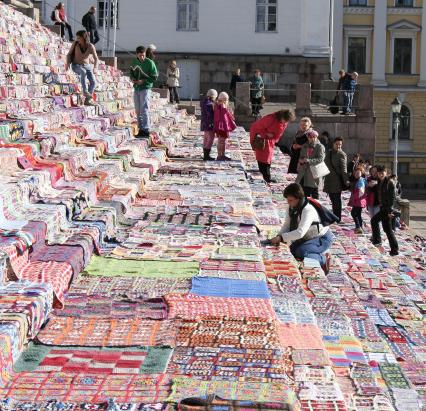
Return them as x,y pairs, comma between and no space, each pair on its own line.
358,199
270,128
224,123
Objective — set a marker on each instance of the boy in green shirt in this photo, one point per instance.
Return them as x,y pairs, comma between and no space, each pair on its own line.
143,73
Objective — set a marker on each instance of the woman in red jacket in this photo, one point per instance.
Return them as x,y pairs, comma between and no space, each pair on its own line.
270,128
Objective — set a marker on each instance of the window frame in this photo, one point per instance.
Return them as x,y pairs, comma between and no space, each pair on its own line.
357,69
355,31
101,16
188,4
402,6
401,119
410,71
266,4
357,5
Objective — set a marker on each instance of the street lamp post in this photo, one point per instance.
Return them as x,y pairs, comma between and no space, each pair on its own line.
396,109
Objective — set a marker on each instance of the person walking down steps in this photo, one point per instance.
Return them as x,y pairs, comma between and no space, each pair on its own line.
143,73
83,60
207,122
224,123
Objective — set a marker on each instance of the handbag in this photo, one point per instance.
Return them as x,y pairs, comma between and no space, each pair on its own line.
319,170
345,184
333,107
262,100
258,143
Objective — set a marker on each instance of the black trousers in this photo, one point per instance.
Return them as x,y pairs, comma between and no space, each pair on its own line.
311,192
94,36
383,217
356,214
265,169
174,95
63,27
336,203
256,105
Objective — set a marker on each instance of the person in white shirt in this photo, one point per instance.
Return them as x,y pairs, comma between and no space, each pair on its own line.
303,229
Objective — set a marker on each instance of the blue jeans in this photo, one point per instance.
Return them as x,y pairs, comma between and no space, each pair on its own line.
142,99
85,71
348,98
314,248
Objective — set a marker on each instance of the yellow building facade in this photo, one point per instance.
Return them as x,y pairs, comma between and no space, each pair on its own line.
384,41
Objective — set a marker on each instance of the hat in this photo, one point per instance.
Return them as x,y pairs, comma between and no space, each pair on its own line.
312,133
212,93
223,96
152,47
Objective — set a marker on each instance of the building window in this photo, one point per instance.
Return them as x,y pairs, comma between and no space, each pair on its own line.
187,15
402,55
357,53
270,79
354,3
103,10
403,169
404,3
266,15
404,130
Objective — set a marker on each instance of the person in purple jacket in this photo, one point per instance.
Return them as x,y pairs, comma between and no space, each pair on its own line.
207,122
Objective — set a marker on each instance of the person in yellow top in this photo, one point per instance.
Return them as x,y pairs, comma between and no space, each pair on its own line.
83,59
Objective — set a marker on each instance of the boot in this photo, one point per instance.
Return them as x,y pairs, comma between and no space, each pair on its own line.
207,155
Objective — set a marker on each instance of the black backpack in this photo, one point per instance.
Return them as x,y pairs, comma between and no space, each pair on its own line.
85,22
326,216
52,16
333,107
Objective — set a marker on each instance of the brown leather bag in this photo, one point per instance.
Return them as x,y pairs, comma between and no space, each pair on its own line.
258,143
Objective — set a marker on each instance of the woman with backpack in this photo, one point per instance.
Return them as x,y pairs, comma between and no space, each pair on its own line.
307,232
59,18
83,60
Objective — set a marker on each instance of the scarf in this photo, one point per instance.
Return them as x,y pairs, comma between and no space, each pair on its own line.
294,213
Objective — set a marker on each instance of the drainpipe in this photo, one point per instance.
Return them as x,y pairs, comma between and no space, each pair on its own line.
331,38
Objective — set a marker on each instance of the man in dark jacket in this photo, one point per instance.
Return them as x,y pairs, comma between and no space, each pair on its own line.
89,23
349,85
336,181
387,196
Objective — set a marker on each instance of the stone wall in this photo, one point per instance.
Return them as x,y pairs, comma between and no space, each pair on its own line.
216,70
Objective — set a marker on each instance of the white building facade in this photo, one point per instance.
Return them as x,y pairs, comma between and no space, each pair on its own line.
234,32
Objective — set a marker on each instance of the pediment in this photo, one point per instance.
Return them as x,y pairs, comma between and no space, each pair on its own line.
404,25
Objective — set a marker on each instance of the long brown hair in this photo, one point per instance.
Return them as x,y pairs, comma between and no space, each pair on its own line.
286,115
85,36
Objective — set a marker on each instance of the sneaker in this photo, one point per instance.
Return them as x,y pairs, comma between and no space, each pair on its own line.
393,253
89,102
143,133
326,266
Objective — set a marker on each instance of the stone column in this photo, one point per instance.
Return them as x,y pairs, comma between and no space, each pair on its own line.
422,81
303,99
242,99
363,101
338,38
380,31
